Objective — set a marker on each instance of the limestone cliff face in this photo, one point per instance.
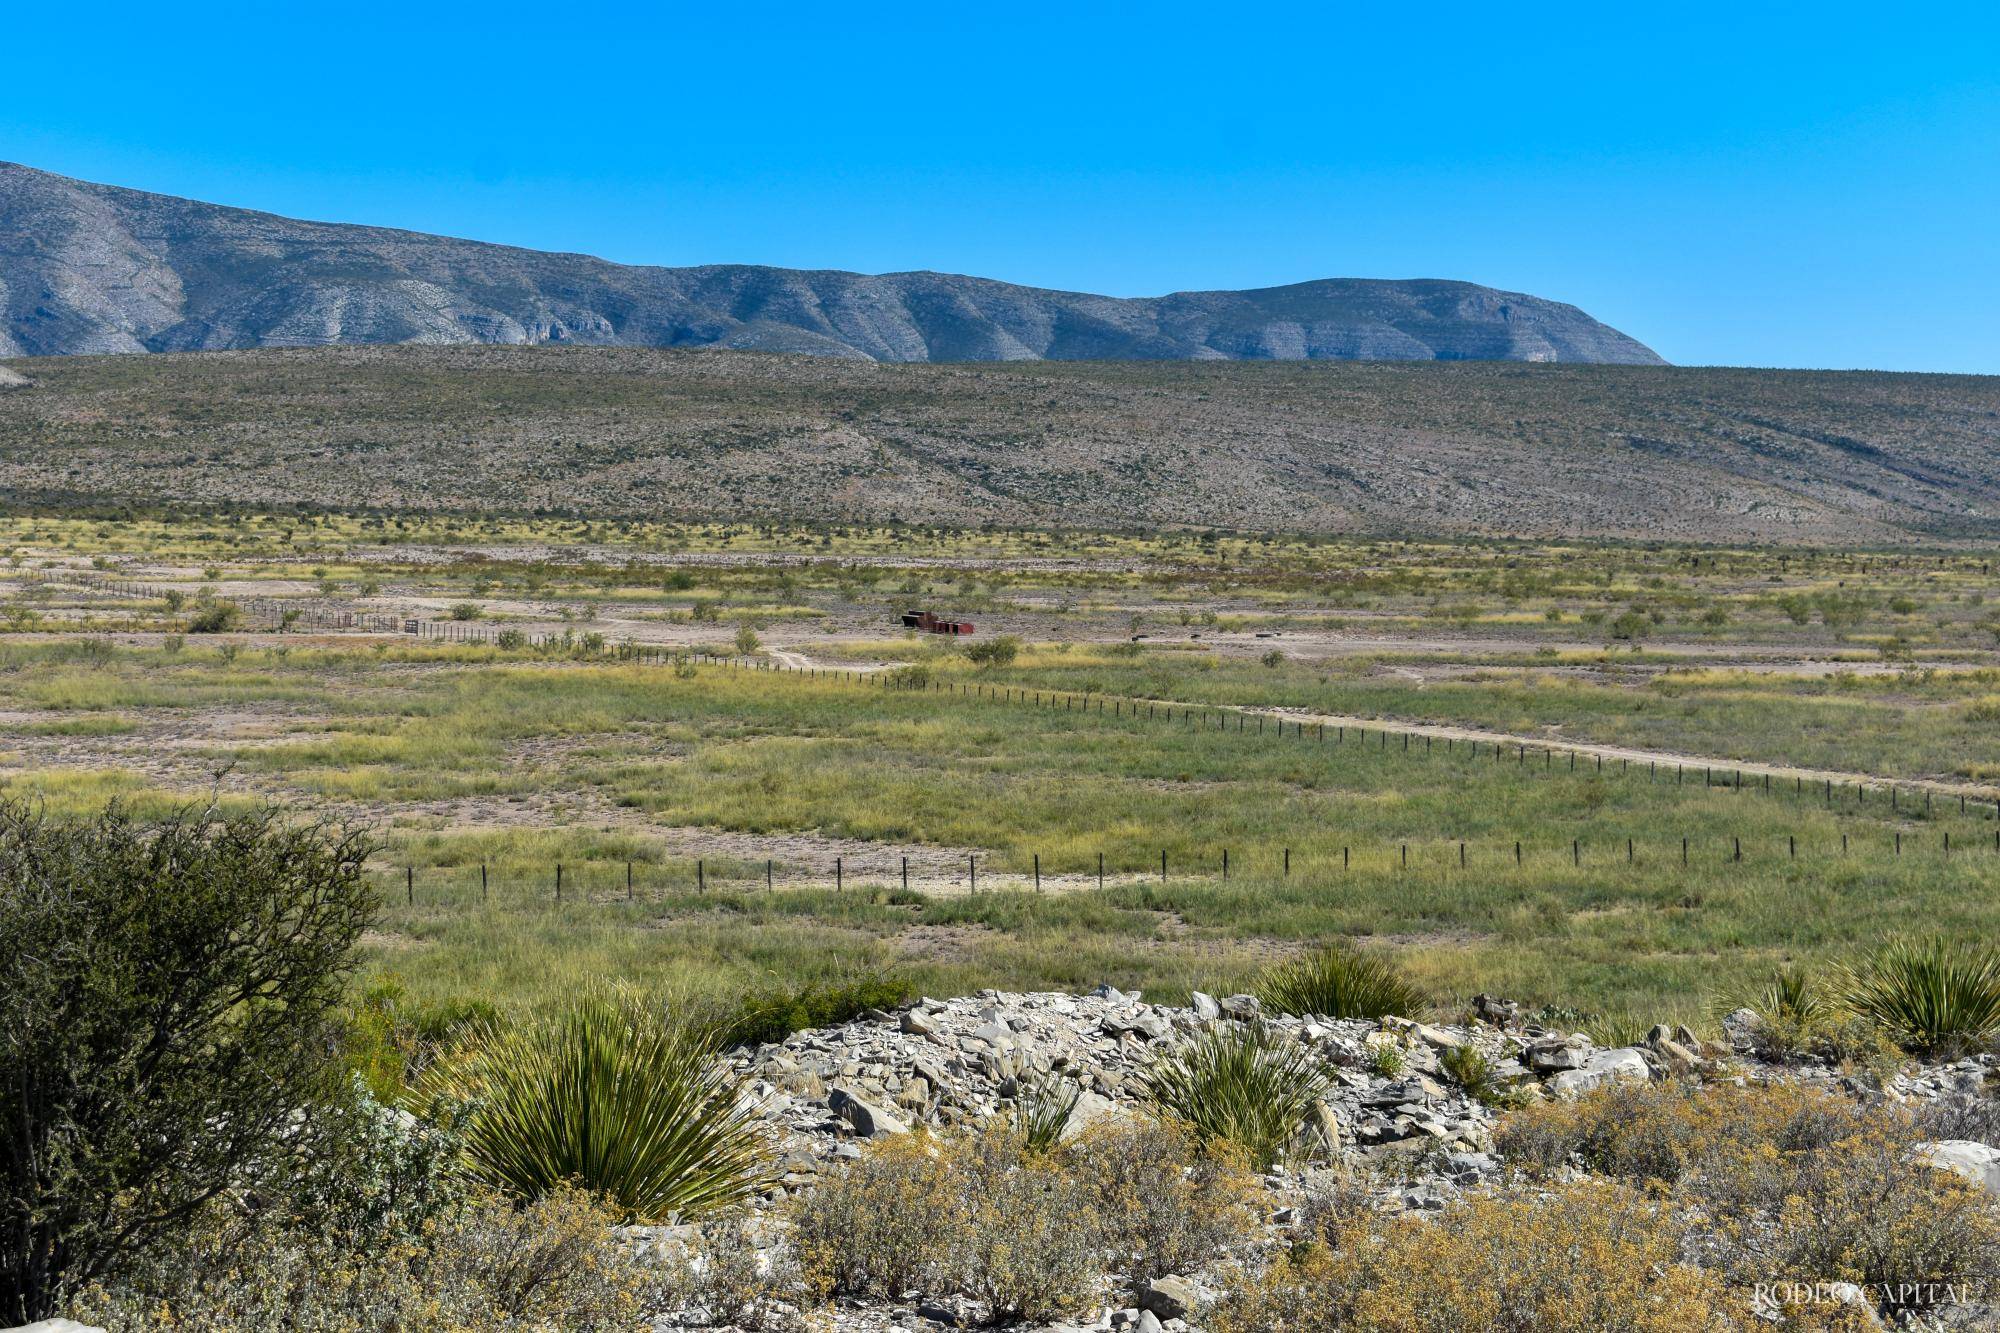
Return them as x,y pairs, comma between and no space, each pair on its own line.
95,268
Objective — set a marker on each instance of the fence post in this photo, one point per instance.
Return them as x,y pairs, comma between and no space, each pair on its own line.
972,871
628,881
1288,862
1576,851
1225,863
1038,872
839,876
1163,859
482,881
906,874
700,875
1517,853
409,885
558,881
1100,870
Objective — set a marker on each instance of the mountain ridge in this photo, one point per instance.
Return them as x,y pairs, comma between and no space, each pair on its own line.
92,268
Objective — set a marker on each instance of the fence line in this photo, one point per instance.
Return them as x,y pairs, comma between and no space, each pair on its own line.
629,881
283,613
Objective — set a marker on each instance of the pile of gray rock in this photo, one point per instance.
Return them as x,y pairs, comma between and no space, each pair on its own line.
973,1061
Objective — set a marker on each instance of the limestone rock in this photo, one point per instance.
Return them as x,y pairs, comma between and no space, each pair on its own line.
1977,1162
1602,1068
867,1119
1170,1297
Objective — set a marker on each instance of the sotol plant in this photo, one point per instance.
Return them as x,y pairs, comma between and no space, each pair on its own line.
612,1096
1240,1085
1937,997
1340,982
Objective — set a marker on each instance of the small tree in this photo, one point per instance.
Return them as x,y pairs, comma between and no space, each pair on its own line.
167,1013
747,641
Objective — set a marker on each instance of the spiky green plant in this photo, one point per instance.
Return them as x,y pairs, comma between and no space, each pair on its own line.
1241,1085
1338,981
1937,997
1791,996
610,1095
1042,1112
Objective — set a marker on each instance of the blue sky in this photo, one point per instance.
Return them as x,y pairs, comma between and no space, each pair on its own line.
1796,185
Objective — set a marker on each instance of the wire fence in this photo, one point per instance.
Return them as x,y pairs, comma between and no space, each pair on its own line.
1831,793
928,873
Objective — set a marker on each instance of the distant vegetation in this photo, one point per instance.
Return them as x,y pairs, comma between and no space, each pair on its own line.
1464,448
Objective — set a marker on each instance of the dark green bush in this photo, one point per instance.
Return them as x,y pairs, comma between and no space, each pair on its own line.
217,618
168,1012
777,1014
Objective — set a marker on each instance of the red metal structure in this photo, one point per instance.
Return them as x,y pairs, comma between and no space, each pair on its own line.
931,624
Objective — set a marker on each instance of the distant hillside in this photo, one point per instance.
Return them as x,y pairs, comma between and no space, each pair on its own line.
94,268
1634,451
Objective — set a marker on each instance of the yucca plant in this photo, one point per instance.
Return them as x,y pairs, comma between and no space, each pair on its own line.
1791,996
1936,997
609,1095
1042,1112
1241,1085
1338,981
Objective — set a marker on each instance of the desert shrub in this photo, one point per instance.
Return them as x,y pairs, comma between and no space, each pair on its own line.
1789,1184
1165,1201
1332,1202
727,1279
998,651
1469,1067
1863,1209
1031,1247
776,1014
889,1223
512,640
1645,1132
168,999
1386,1059
1960,1117
1240,1085
551,1263
1027,1232
1593,1258
215,618
466,611
609,1095
1338,981
747,641
1937,997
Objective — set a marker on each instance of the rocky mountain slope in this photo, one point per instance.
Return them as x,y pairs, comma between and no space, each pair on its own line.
94,268
1632,451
